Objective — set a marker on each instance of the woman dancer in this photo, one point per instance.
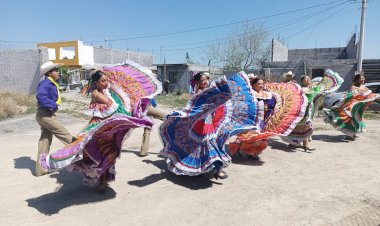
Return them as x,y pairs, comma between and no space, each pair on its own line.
114,114
281,106
199,82
347,115
304,129
194,138
266,103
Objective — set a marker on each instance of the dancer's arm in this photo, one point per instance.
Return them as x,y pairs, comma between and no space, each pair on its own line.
100,98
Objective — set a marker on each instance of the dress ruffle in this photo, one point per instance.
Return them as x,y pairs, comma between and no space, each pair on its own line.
347,115
97,147
287,108
194,138
95,152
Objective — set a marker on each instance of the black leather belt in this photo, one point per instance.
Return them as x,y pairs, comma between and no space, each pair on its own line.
46,109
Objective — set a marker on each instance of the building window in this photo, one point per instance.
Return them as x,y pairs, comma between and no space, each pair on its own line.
67,53
51,53
173,76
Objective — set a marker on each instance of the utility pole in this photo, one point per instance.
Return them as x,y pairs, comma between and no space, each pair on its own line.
105,42
160,54
361,38
165,69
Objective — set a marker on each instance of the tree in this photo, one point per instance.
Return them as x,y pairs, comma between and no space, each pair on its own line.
246,46
64,78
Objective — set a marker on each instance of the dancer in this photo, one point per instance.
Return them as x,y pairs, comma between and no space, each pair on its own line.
194,138
315,93
48,100
119,101
288,77
304,129
156,113
199,82
321,86
347,115
266,104
281,106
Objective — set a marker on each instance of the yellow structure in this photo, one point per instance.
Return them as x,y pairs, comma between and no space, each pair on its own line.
58,47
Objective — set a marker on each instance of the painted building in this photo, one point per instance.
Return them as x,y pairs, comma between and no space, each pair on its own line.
80,58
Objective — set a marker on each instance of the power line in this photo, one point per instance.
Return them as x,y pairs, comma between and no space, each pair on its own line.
315,25
8,45
271,28
205,28
274,28
221,25
309,27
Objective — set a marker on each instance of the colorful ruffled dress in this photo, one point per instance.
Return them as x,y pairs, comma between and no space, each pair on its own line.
315,94
97,147
279,113
304,129
194,138
321,86
347,114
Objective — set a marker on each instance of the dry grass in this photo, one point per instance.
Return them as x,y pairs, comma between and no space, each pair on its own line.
173,101
12,104
372,115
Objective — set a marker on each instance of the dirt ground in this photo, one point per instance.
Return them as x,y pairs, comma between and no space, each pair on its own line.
337,184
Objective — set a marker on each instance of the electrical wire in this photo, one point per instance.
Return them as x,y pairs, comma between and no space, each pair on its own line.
307,28
238,36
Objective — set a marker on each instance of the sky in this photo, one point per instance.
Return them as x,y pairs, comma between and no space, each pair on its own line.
169,29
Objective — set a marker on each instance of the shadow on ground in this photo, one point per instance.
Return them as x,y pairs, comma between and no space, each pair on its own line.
246,160
70,192
194,183
330,138
25,163
277,145
137,152
282,146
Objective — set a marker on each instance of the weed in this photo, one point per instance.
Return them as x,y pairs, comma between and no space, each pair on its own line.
12,104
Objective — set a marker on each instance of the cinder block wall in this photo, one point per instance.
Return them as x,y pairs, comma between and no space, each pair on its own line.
279,51
317,54
20,69
113,56
345,68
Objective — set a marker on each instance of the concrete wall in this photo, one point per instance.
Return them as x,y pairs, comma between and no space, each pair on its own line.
86,54
183,73
182,76
279,51
352,48
349,52
113,56
317,54
279,68
20,69
345,68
